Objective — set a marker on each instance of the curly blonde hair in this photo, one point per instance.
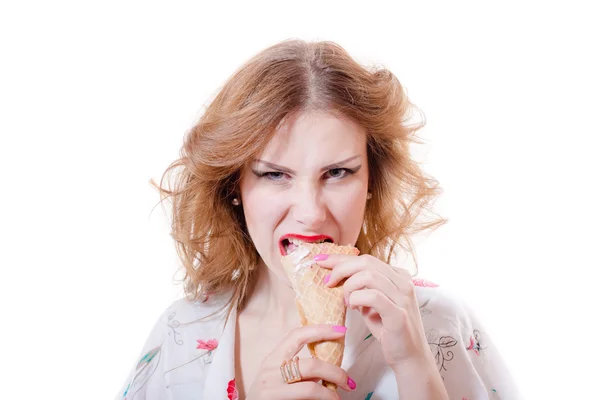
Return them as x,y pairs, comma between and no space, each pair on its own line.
211,237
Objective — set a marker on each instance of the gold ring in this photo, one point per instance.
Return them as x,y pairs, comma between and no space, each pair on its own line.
290,371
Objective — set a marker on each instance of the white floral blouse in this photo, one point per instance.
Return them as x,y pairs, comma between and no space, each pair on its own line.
187,357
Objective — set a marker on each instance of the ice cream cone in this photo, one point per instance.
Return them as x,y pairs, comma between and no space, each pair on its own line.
316,303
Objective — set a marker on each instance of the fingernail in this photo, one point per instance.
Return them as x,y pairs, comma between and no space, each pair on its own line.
340,328
326,279
321,257
351,383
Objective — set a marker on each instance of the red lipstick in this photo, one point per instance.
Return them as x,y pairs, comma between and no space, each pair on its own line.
309,239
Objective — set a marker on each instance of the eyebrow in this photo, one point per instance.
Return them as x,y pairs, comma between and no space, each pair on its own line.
338,164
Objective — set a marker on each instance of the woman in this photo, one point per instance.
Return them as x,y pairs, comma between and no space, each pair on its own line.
302,142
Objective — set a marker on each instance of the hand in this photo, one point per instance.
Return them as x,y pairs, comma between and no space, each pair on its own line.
269,383
386,298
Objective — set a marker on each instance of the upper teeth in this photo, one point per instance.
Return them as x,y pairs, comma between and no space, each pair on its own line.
299,242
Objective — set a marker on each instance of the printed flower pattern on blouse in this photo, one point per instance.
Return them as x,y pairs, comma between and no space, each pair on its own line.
232,393
209,346
441,347
144,369
190,354
474,343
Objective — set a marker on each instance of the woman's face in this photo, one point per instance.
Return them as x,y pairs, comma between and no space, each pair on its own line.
311,179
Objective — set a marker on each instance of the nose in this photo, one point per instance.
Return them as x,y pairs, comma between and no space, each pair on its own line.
308,207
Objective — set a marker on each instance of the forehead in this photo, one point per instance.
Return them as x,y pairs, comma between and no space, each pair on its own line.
318,133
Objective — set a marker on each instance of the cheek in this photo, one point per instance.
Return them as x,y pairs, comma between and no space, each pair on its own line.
349,213
261,212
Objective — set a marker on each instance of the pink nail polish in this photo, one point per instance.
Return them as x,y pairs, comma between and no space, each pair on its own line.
326,279
321,257
340,328
351,383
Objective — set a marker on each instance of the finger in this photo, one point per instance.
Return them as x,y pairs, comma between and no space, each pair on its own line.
349,266
391,314
370,279
301,336
341,266
313,368
331,260
301,390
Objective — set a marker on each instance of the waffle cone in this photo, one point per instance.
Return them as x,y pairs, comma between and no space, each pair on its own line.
316,303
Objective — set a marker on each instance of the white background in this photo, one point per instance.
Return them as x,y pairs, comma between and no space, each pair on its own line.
95,99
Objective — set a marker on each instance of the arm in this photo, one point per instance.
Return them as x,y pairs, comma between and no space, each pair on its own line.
421,381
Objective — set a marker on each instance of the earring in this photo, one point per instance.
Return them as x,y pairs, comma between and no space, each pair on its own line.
235,201
369,195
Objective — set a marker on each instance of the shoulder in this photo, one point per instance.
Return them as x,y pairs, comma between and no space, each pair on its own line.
184,331
441,305
184,321
464,352
183,310
192,329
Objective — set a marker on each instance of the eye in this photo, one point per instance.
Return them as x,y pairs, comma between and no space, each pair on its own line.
338,173
271,175
275,176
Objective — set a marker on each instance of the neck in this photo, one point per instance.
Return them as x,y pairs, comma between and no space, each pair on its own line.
272,300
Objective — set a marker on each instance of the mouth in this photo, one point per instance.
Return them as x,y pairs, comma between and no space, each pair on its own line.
289,243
